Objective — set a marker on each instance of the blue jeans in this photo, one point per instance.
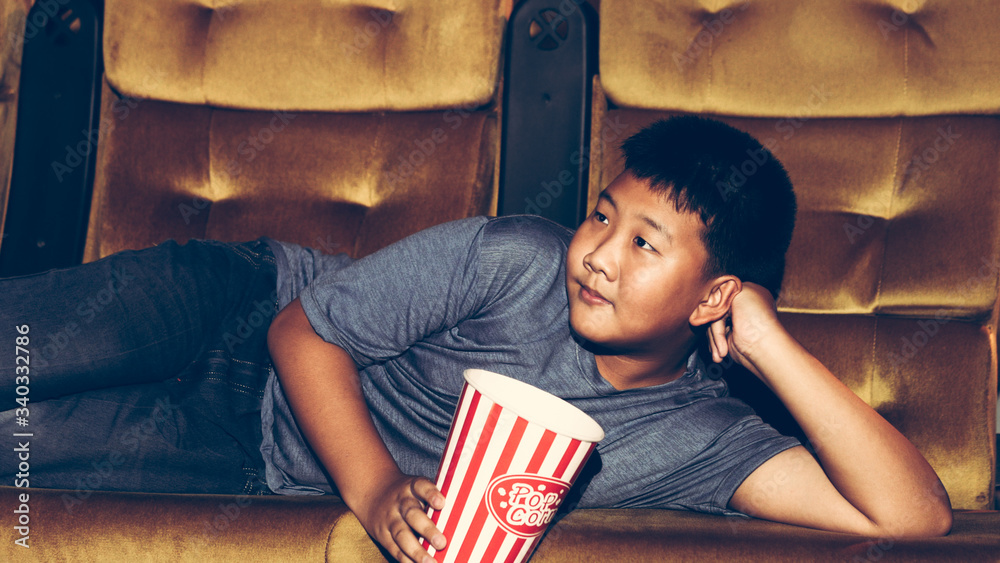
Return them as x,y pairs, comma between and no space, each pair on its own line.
145,371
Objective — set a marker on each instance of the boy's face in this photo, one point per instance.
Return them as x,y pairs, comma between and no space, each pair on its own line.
634,270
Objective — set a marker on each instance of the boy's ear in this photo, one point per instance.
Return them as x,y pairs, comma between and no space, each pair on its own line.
717,302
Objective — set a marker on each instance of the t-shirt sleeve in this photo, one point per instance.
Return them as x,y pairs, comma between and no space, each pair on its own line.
695,462
382,304
710,480
741,450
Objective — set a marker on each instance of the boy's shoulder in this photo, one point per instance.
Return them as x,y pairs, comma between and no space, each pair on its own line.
526,233
521,254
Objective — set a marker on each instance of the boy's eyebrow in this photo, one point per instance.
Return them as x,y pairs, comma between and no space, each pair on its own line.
659,228
645,218
607,197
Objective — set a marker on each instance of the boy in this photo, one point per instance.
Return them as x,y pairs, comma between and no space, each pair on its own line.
368,356
611,323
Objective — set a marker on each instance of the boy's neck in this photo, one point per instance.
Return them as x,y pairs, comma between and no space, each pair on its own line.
631,371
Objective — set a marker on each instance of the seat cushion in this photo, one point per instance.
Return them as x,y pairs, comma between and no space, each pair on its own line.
306,55
803,59
198,528
339,182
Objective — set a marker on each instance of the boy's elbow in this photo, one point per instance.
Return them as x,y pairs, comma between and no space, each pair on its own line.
938,524
938,517
928,528
922,523
943,525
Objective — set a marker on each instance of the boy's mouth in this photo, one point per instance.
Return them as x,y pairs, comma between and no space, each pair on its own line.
592,297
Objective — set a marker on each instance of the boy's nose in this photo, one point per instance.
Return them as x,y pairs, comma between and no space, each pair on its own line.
601,260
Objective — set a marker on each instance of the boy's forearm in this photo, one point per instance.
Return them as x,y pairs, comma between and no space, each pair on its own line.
870,463
323,389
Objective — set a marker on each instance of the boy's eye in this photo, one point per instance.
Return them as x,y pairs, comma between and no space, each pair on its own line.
641,243
601,217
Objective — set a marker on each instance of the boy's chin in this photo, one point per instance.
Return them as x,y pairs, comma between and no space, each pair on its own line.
595,348
593,341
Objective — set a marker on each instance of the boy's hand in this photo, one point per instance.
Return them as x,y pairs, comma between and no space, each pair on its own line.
397,516
752,318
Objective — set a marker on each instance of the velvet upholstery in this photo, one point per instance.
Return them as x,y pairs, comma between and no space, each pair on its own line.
767,59
341,182
306,55
190,148
880,255
195,528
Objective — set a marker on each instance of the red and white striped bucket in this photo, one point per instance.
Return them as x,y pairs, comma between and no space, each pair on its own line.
512,454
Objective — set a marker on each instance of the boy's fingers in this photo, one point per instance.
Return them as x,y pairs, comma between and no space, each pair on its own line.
415,522
425,491
717,339
409,547
425,528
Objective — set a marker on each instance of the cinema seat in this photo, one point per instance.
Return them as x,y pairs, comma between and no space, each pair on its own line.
347,125
341,125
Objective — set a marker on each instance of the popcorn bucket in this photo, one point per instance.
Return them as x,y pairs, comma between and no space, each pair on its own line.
513,453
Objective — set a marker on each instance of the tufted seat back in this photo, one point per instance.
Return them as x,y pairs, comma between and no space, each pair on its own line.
885,115
340,125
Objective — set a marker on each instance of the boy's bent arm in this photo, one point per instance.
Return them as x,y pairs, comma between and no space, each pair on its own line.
321,383
869,478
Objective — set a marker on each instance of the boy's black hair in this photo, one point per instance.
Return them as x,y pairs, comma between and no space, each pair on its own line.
738,188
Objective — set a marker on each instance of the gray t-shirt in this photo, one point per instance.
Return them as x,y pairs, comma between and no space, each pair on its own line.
491,294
